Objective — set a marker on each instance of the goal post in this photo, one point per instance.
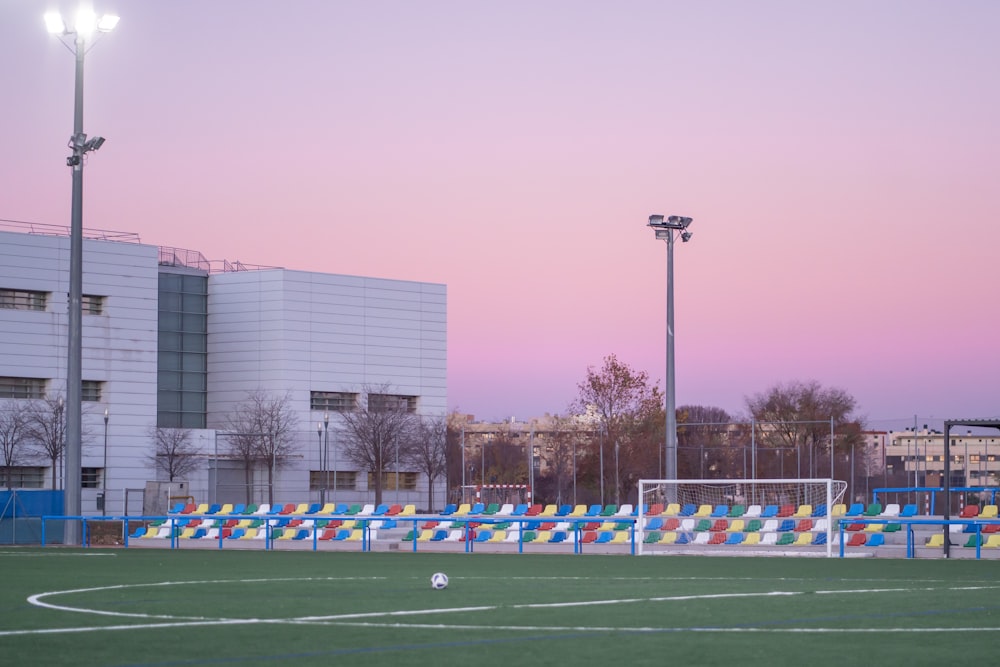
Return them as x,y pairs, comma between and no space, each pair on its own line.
722,513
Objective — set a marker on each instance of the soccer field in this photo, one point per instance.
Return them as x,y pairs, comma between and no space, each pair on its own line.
207,607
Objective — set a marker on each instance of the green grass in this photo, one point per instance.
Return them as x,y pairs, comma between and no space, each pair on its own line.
208,607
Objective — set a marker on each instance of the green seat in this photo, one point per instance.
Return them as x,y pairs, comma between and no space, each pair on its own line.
528,536
703,525
874,509
251,508
753,526
609,510
492,508
737,511
354,509
892,528
408,537
652,537
623,525
973,542
786,539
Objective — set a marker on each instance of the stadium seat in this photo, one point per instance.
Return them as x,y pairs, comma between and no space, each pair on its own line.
770,526
625,510
366,510
342,508
672,509
703,526
688,510
719,525
505,510
853,527
857,509
394,510
578,511
656,509
819,511
785,511
604,537
477,508
753,512
988,512
654,523
732,539
909,510
736,526
753,526
876,540
892,528
819,539
992,542
668,538
589,536
803,511
785,540
139,532
703,510
891,511
751,539
935,540
769,512
857,540
974,541
720,511
609,510
737,511
804,540
491,509
301,508
483,535
840,509
408,510
874,528
786,526
803,526
768,539
874,509
991,528
656,536
671,523
381,510
718,538
821,525
449,509
521,509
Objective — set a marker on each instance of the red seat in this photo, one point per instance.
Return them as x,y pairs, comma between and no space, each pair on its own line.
429,525
589,536
720,524
287,509
294,523
394,510
804,526
230,523
855,527
189,508
673,523
534,510
857,540
786,510
655,510
969,512
226,532
328,534
547,525
717,538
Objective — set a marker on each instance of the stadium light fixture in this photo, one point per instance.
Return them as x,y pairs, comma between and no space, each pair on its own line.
667,230
77,40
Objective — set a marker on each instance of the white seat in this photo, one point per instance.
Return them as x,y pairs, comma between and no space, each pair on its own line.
770,526
702,538
769,539
454,536
624,510
687,525
752,512
263,508
367,510
512,536
506,510
891,510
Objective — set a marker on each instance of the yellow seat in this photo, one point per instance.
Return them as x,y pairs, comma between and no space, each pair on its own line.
735,526
804,540
989,512
993,541
673,509
425,535
874,528
283,533
579,510
620,537
463,509
201,509
550,510
668,538
187,533
251,533
226,509
804,512
543,536
408,510
301,508
840,509
937,540
498,536
329,508
704,510
355,535
752,538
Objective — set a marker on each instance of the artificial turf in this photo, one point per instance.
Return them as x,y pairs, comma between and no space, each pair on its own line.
209,607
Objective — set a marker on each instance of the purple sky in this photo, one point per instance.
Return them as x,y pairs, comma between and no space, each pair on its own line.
839,161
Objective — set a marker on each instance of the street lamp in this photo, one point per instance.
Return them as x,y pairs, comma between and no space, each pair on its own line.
104,474
319,440
76,40
667,230
326,457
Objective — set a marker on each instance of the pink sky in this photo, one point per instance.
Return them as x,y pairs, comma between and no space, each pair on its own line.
839,161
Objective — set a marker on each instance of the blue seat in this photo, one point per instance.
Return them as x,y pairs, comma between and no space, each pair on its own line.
302,534
484,535
381,510
520,510
532,525
682,538
215,508
819,539
688,510
199,533
314,508
594,510
820,511
857,509
720,511
735,538
139,532
177,508
342,534
770,511
604,537
240,508
439,536
341,508
876,540
237,533
449,509
389,523
558,536
478,508
635,510
564,510
655,523
909,510
786,526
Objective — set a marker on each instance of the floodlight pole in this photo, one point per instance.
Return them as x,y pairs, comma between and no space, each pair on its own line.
666,230
72,505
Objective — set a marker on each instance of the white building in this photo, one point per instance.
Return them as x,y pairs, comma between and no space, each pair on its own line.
172,340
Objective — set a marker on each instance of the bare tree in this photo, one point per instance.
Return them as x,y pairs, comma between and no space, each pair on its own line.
374,431
13,436
173,452
426,451
47,431
563,438
263,433
797,416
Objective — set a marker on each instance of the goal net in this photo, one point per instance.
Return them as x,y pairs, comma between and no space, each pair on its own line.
726,513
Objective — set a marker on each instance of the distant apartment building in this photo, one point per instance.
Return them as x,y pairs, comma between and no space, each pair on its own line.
916,458
172,340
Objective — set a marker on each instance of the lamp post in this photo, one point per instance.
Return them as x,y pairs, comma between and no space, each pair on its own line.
326,458
104,474
667,230
76,40
319,440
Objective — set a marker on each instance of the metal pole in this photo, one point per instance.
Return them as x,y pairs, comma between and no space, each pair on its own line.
326,455
74,372
618,486
602,463
104,474
319,441
462,494
670,450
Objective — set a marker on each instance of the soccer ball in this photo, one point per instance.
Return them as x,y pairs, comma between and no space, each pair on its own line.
439,581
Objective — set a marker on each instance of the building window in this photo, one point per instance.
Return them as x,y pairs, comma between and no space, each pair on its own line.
389,402
20,299
23,477
11,387
90,478
93,305
90,390
342,480
332,401
407,481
